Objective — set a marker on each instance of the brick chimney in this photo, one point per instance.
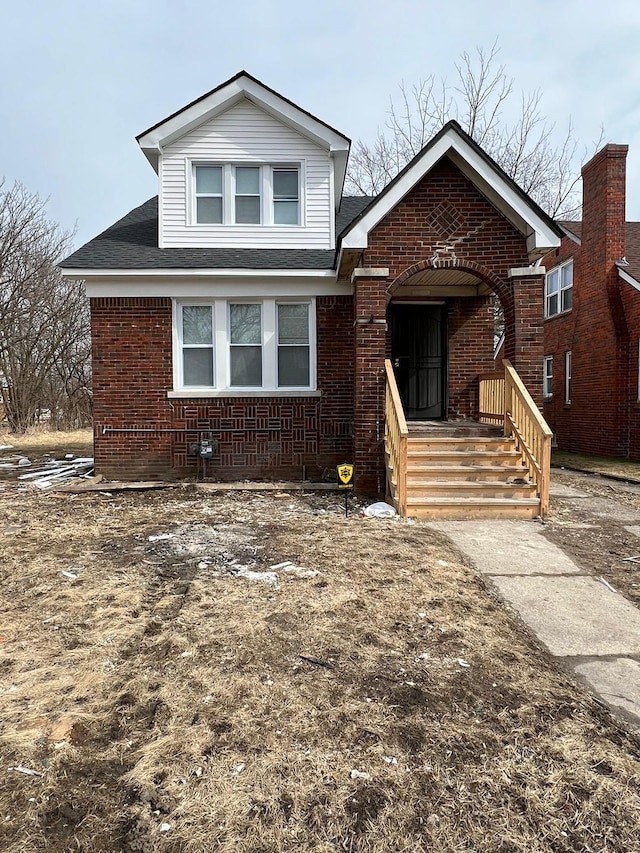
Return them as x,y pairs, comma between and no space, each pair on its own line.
603,207
600,344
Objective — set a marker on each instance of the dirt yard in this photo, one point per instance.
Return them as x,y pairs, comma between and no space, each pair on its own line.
595,532
173,690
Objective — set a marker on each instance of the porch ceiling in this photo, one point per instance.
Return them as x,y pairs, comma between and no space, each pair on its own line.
442,282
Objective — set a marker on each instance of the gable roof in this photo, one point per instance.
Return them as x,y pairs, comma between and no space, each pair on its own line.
244,86
132,243
541,232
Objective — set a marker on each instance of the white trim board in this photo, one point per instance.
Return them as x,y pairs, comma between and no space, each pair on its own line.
187,288
153,141
540,237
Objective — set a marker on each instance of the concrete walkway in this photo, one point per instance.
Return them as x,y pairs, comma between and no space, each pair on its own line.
592,629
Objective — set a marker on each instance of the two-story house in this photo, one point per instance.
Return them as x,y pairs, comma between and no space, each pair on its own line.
591,361
252,302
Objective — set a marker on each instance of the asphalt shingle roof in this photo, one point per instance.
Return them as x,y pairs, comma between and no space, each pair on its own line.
132,243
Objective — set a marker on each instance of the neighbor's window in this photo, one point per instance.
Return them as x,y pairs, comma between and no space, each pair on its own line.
209,204
293,345
286,201
547,378
558,290
197,345
260,345
567,376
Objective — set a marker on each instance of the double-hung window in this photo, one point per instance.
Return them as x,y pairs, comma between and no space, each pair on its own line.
547,377
286,196
293,345
567,377
235,346
245,345
196,333
558,290
209,195
248,199
238,194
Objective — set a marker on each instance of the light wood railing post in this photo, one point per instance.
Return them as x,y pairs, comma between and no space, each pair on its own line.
524,421
396,436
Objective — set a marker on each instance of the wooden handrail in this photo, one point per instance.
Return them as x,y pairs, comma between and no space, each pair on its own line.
523,420
505,399
535,412
396,435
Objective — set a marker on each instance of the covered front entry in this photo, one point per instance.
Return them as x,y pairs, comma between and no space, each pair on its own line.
418,355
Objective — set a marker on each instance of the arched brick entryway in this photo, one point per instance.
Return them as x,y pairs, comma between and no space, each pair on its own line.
521,296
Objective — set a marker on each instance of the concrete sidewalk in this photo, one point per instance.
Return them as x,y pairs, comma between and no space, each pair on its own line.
592,629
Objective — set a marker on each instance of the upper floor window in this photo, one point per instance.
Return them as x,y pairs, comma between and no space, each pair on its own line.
209,194
228,194
558,290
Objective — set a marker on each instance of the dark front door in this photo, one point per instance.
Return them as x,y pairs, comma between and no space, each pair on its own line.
418,355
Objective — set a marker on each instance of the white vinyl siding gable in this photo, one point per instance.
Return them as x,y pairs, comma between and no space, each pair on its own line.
244,135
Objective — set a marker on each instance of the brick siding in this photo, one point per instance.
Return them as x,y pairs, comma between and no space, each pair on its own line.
258,437
602,417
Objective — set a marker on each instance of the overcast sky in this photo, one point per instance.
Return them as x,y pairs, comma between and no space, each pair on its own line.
79,79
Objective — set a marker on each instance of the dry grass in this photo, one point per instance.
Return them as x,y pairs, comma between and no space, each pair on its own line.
39,442
160,688
608,466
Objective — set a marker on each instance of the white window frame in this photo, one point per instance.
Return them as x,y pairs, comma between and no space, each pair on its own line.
267,210
221,347
179,329
567,377
558,273
547,377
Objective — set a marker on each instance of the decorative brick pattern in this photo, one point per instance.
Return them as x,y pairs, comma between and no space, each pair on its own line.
265,438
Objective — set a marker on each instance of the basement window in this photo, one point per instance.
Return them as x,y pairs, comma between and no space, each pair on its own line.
558,290
232,345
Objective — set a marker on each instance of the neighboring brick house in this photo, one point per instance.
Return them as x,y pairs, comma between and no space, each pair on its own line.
592,325
252,301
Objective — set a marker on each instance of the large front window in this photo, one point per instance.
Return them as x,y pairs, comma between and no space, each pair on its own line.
558,290
228,345
238,194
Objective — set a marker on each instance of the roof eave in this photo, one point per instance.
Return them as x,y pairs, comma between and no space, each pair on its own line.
541,233
225,96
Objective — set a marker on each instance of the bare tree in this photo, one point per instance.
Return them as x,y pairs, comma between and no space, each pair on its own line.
44,320
541,161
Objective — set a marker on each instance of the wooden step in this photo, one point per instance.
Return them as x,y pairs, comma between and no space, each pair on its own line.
467,443
468,508
424,471
457,457
460,489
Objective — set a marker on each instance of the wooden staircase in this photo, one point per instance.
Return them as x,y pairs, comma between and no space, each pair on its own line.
467,469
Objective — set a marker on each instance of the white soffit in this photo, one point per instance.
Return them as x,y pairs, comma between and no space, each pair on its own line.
540,236
152,141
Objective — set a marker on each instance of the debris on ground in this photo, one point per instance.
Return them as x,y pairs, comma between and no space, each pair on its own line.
380,509
57,471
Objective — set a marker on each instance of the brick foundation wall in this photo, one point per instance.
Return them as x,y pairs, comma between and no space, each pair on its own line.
268,438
